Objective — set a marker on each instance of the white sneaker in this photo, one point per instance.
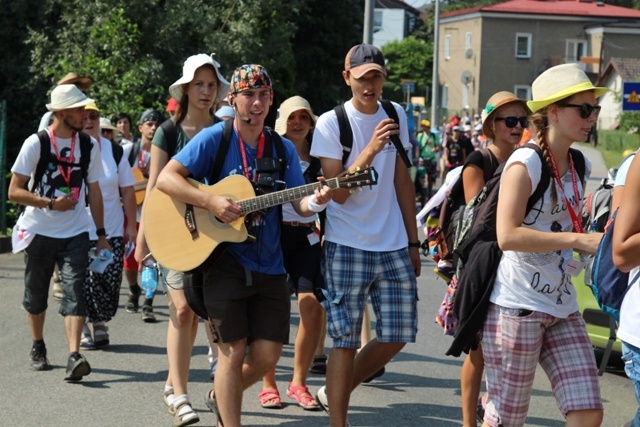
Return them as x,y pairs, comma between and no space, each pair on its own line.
321,398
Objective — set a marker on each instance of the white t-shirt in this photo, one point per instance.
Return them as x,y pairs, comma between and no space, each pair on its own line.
114,178
370,219
629,326
56,223
289,214
538,281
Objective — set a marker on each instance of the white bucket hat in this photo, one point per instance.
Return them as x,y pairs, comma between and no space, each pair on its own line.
66,97
290,106
560,82
106,124
189,70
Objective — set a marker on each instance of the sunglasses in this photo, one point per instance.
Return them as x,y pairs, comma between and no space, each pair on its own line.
93,116
512,121
585,109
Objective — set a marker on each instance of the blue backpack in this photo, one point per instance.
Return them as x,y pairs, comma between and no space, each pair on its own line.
608,284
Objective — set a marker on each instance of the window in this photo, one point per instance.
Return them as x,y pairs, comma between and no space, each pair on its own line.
467,41
522,91
576,49
465,95
523,45
445,97
377,20
447,47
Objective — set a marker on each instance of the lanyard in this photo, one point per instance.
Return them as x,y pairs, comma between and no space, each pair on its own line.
66,174
243,152
577,225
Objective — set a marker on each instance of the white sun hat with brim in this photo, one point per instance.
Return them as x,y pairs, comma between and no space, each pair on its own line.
188,72
66,97
560,82
290,106
106,124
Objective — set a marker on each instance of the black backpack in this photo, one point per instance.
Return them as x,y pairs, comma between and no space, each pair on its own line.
478,251
346,133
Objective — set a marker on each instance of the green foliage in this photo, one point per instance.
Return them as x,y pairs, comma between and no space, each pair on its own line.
408,59
630,121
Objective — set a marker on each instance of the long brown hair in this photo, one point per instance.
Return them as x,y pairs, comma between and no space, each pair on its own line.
183,103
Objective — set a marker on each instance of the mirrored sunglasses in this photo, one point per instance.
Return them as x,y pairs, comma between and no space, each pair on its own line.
512,121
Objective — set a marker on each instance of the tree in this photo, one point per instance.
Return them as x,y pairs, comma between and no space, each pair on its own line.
408,59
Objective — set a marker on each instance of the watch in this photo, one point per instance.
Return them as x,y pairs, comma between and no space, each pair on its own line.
50,204
413,244
101,232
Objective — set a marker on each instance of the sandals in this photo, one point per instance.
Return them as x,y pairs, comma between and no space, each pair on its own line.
86,342
319,365
170,407
301,394
270,399
210,401
187,417
101,336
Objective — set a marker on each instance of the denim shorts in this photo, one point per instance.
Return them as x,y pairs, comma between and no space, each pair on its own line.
72,256
631,357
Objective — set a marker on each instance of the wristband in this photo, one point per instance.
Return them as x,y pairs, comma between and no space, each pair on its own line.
101,232
314,206
50,204
413,244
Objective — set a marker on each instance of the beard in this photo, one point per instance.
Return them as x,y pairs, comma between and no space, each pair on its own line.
77,127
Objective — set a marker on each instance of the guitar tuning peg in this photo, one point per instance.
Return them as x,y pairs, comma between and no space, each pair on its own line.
351,191
360,189
357,168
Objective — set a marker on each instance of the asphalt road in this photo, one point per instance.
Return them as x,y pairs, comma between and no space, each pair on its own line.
420,387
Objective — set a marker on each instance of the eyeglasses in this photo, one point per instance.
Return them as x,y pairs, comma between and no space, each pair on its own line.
512,121
585,109
93,116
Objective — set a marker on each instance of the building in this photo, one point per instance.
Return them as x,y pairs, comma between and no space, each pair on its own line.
393,20
616,72
505,46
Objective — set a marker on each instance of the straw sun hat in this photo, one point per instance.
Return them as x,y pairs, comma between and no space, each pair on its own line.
496,101
560,82
290,106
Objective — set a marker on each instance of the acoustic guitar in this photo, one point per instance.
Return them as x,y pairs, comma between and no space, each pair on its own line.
182,237
140,187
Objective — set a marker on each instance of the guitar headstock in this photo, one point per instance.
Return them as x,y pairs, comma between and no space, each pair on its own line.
359,178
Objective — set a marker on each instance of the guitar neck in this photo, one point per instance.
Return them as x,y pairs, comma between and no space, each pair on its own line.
276,198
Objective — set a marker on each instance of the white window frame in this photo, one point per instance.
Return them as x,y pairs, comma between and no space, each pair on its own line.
447,47
378,19
525,88
465,95
467,40
573,48
445,97
528,38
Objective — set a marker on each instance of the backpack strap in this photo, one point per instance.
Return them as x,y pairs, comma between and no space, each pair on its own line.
85,154
393,114
545,177
222,152
118,152
45,150
170,135
133,154
346,133
489,163
282,156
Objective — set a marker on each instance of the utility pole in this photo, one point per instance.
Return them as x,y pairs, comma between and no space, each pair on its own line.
367,31
436,53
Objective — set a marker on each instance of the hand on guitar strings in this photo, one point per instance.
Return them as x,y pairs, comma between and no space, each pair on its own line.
224,208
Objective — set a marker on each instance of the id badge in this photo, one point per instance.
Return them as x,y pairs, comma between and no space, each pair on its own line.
574,267
314,238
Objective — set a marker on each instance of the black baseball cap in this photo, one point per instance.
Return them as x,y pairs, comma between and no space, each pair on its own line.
363,58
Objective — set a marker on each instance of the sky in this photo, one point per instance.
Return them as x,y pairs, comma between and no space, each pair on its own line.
416,3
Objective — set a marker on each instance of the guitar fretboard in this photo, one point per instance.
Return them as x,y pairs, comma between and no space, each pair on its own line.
276,198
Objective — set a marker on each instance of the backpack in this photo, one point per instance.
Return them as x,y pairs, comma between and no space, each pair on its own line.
346,133
608,284
118,152
193,281
478,251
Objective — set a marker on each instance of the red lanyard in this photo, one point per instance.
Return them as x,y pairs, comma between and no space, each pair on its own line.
66,174
243,152
577,225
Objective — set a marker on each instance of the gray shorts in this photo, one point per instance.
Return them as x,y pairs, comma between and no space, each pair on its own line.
72,256
171,279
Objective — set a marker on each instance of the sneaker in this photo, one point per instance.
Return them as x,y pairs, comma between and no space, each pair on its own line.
77,367
374,376
132,304
86,342
147,314
321,398
39,360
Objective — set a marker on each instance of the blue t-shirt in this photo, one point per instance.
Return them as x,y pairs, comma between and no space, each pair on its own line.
264,254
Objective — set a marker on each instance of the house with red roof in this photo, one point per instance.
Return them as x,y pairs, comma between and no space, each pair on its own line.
505,46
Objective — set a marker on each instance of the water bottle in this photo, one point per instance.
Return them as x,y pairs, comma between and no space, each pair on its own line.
149,277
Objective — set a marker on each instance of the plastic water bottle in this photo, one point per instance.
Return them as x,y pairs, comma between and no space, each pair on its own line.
149,277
